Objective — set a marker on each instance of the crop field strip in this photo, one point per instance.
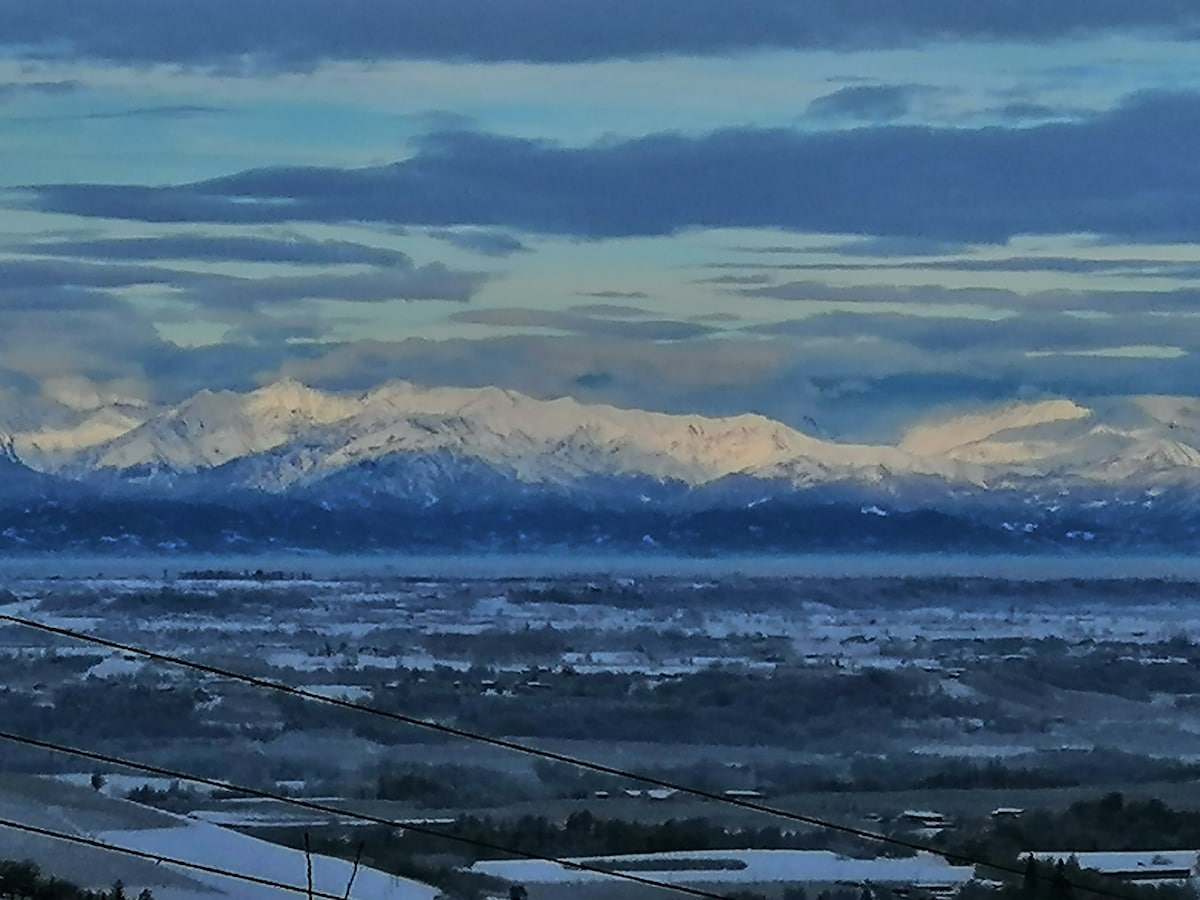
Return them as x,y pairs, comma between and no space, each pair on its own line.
503,743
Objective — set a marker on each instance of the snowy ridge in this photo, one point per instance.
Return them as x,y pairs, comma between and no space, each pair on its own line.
992,437
211,429
288,434
405,439
52,443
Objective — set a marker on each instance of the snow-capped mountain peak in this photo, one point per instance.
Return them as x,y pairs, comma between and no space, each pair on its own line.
287,435
213,428
971,435
295,433
289,399
405,465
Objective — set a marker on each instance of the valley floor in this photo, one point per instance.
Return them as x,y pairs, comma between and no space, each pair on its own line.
852,698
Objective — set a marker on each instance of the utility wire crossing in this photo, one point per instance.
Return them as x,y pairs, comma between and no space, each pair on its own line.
169,860
517,747
503,743
314,806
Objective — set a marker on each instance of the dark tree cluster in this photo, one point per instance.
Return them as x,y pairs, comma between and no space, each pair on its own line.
1064,879
1108,823
25,881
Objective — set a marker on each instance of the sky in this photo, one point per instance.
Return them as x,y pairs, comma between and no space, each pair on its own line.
849,215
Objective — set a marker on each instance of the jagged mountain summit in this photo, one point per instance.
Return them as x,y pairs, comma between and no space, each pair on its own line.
407,466
1140,439
287,436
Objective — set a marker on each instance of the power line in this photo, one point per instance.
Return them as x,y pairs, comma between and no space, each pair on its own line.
503,743
314,806
158,858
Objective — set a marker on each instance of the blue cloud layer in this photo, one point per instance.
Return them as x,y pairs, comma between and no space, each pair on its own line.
70,284
214,248
1130,173
300,33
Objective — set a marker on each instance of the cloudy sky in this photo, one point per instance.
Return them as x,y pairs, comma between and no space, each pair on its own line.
841,213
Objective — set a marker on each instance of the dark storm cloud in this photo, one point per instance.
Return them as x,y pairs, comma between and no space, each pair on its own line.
1131,172
298,34
211,248
483,242
878,103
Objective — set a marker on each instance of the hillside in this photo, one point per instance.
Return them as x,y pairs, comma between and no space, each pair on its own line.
56,806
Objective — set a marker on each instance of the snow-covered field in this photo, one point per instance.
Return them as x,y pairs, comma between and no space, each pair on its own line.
207,844
739,867
71,809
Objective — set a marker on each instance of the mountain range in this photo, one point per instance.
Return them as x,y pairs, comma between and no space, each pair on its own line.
404,466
